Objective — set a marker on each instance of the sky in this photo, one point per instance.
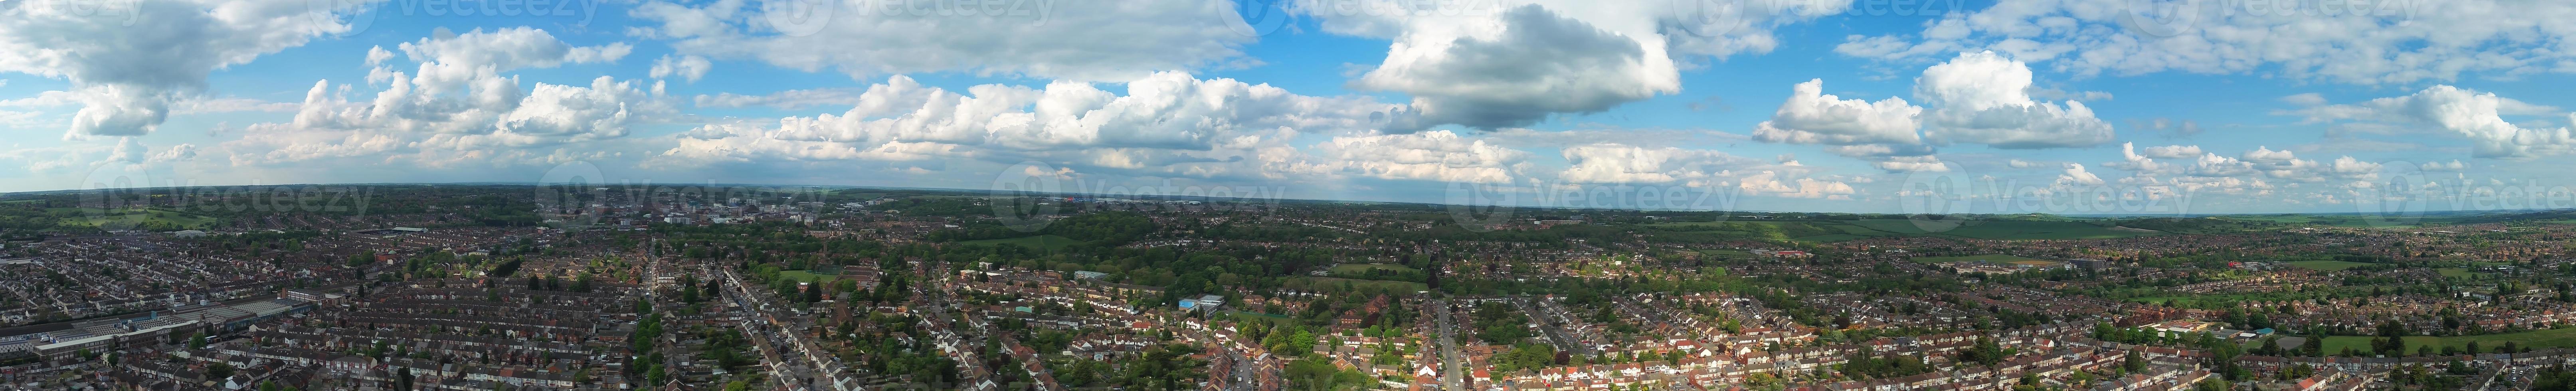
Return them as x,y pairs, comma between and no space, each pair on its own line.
1883,106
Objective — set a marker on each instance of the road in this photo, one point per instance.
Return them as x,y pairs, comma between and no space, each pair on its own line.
1455,373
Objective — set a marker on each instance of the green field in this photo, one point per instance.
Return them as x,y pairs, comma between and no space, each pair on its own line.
2454,272
2536,339
1994,258
1358,268
2328,265
1040,242
803,276
128,218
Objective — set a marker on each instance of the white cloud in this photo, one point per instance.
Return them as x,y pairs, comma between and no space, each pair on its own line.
2172,151
1982,98
1925,163
1810,117
1771,183
2267,155
1515,62
685,67
1519,67
448,62
1109,41
1166,124
1611,163
2475,115
2385,43
2145,164
2453,165
2075,175
1437,155
467,113
128,69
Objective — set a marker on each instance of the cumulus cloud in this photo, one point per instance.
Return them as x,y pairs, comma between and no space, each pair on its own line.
2267,155
2382,43
2170,151
1982,98
126,71
1811,117
2075,175
1437,155
1926,163
1772,183
2474,115
2453,165
448,61
684,67
1515,62
1520,67
1166,124
1611,163
459,104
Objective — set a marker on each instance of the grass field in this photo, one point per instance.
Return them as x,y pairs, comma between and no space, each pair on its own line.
2328,265
1040,242
126,218
1995,258
1357,268
803,276
2454,272
2536,339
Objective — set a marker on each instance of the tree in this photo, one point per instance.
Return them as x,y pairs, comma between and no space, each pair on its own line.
197,342
220,370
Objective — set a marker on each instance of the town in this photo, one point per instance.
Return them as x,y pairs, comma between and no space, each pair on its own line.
485,287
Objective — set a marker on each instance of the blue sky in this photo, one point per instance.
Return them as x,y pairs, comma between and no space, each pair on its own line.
2067,106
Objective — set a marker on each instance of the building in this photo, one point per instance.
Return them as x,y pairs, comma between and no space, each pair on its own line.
1203,303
